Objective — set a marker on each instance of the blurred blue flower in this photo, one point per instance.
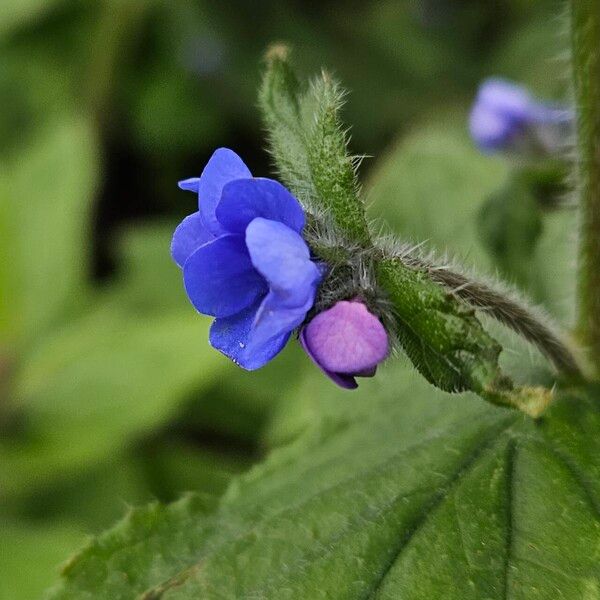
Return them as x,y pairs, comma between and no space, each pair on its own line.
506,117
244,260
346,341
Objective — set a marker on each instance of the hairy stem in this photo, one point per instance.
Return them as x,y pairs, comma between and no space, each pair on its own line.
508,311
585,30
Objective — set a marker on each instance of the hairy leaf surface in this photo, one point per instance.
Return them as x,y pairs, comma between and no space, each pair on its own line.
412,496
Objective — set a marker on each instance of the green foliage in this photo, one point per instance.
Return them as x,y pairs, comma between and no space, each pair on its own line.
109,394
510,225
386,499
309,145
109,379
333,170
15,14
443,339
446,343
30,556
46,199
441,336
431,185
278,99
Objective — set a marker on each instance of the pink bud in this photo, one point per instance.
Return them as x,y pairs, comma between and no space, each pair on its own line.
345,342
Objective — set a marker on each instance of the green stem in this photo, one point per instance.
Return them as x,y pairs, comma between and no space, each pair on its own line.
585,30
116,27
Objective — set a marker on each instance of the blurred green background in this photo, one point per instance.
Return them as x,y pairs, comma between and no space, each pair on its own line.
109,393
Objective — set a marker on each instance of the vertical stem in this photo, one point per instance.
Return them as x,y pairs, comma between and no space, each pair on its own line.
116,28
585,31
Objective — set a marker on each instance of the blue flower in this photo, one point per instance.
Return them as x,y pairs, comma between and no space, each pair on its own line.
505,116
244,260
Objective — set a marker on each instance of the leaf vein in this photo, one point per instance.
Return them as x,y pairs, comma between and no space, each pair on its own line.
511,455
575,473
495,431
422,518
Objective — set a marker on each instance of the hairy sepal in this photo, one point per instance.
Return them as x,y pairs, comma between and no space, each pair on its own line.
309,145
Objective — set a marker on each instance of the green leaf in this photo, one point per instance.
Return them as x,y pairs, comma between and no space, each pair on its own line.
90,390
443,338
510,225
309,145
280,106
30,556
148,282
445,341
142,538
333,169
394,492
46,194
431,186
16,14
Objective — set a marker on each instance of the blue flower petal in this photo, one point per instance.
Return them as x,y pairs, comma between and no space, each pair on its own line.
219,277
274,319
224,166
506,98
283,258
230,336
188,237
189,185
490,130
244,200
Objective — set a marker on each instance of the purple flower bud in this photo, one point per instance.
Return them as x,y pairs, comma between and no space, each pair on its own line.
506,117
345,342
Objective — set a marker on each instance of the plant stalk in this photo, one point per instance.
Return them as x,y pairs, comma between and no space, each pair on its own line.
585,38
116,27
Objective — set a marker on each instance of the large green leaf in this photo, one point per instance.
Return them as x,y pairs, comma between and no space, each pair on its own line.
415,495
46,194
431,186
30,556
149,282
98,385
16,13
